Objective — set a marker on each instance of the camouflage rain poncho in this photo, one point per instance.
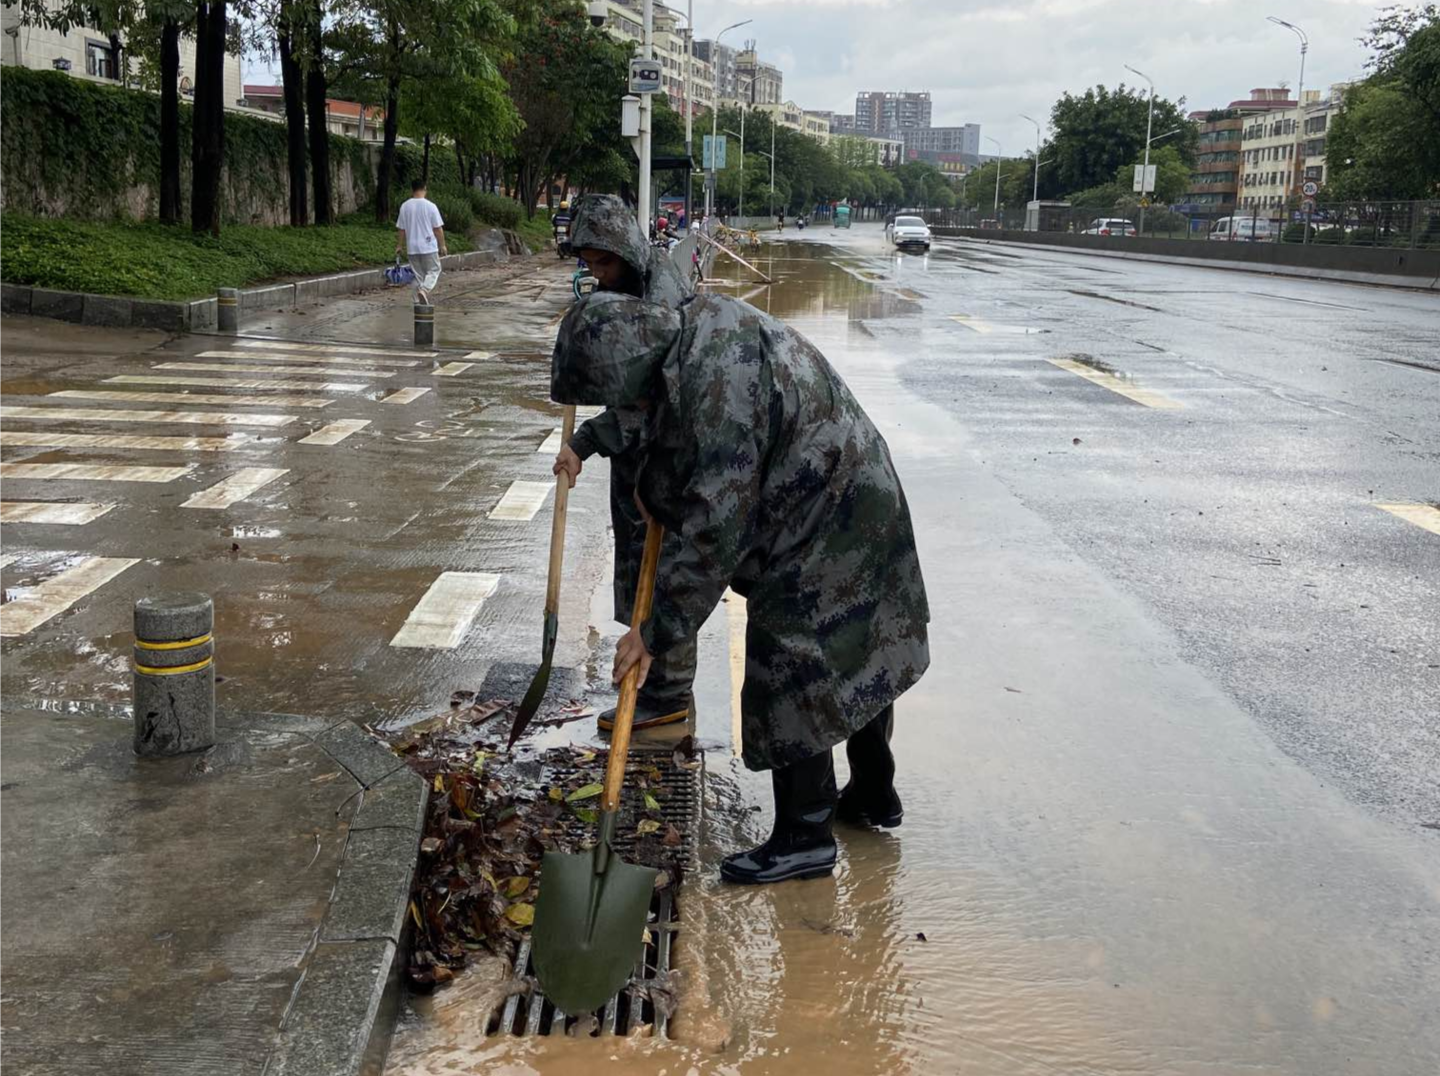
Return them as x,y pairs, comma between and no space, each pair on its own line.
756,453
604,222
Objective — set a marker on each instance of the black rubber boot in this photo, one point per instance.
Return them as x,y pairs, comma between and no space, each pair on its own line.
869,797
802,844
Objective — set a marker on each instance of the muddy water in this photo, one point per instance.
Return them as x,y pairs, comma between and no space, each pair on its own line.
1104,866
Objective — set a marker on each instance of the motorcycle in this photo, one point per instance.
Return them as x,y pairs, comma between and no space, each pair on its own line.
562,240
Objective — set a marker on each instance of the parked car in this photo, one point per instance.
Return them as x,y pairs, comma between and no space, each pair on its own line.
1110,226
910,232
1244,229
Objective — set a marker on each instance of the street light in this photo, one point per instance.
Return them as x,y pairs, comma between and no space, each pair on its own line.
1035,197
1149,120
715,115
1299,97
740,210
999,153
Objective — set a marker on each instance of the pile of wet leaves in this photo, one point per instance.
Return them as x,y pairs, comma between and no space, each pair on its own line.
492,815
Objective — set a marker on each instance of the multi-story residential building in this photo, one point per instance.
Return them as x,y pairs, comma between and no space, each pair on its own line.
341,117
86,53
760,83
1282,150
1215,178
882,112
858,150
817,125
789,114
840,122
942,143
623,22
722,61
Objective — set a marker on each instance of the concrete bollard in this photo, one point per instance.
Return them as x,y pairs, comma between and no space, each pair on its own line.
424,324
174,693
227,310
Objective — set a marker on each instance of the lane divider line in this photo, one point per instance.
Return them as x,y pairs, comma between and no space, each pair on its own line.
444,613
405,396
1117,385
333,349
11,438
521,501
986,327
450,369
237,487
227,383
182,397
261,356
332,433
92,472
551,445
237,368
1422,515
58,593
61,513
100,414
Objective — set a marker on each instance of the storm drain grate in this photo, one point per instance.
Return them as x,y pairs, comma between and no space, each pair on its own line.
647,999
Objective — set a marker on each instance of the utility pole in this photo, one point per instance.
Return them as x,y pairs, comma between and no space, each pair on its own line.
1035,197
1145,169
715,111
689,104
647,52
999,153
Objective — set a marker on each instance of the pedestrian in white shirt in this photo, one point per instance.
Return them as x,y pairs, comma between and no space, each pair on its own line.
420,235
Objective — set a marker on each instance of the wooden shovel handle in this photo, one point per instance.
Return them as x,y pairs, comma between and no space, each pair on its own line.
630,685
557,525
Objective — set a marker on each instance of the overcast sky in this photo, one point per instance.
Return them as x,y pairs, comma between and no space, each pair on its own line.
987,61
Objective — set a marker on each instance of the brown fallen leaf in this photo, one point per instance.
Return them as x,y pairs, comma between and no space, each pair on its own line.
646,827
431,845
672,836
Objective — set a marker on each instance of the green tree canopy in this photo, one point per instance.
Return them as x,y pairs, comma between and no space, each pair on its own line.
1097,132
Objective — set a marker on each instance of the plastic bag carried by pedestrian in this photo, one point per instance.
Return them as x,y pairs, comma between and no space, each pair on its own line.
399,275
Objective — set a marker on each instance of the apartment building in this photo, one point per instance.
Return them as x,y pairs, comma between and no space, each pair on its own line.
858,150
760,83
722,61
789,114
883,112
942,143
668,37
1215,179
1280,151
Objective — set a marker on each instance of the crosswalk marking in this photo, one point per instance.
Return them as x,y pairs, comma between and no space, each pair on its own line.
99,414
332,433
225,382
1422,515
551,445
478,356
12,438
9,559
182,397
440,619
450,369
404,396
522,500
91,472
236,487
236,368
66,513
1117,385
587,411
333,349
23,615
260,356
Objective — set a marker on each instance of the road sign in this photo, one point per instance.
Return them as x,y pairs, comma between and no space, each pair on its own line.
1144,178
1311,188
1144,203
1309,203
644,75
714,154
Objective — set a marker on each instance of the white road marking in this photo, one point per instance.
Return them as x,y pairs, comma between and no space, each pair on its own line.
522,500
98,414
587,411
9,559
980,326
332,433
737,616
1422,515
478,356
88,472
333,349
124,440
551,445
231,367
404,396
237,487
56,594
116,396
1117,385
450,369
226,383
65,513
440,619
260,356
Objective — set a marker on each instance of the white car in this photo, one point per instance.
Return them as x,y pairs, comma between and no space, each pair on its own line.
910,232
1244,229
1110,226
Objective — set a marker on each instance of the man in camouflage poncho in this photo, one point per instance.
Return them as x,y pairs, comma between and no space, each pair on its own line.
605,232
756,454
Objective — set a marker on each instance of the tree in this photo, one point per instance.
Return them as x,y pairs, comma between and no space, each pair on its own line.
207,148
286,18
1097,132
317,115
1172,175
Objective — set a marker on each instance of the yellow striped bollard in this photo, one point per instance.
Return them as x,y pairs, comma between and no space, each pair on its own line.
174,693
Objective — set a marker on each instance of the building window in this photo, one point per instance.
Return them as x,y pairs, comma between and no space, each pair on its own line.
101,60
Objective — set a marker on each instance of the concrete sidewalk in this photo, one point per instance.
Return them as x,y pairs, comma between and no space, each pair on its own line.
230,912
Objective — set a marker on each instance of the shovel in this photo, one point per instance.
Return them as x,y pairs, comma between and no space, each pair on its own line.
591,912
531,702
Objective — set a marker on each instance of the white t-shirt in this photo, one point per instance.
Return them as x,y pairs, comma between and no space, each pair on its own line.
418,219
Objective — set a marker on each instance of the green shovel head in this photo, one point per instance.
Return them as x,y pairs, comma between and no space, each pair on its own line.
589,926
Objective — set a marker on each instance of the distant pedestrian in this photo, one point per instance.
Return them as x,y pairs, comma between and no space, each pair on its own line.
420,235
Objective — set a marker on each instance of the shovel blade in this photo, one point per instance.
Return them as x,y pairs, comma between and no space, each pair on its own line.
589,927
535,694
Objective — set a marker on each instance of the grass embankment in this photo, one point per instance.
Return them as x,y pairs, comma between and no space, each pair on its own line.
152,261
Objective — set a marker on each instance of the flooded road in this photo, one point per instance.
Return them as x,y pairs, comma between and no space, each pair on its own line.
1113,861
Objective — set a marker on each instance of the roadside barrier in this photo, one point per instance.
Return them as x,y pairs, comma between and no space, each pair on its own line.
174,692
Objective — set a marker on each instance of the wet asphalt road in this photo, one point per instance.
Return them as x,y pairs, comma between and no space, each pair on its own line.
1168,777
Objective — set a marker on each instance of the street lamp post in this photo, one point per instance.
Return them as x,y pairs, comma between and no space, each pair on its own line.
1149,121
1035,196
740,210
647,52
998,154
715,114
1299,169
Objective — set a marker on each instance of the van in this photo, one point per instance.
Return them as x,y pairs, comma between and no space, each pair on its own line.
1244,229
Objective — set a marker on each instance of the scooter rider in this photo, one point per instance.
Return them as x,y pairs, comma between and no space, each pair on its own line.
560,226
